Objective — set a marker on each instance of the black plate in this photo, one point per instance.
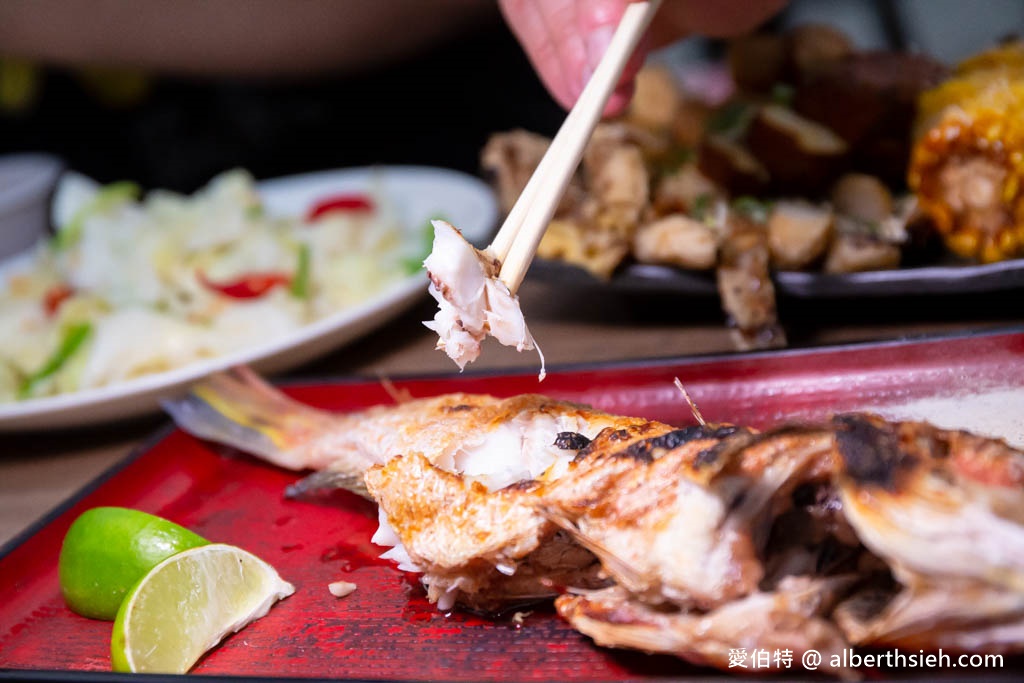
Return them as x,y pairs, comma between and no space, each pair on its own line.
924,280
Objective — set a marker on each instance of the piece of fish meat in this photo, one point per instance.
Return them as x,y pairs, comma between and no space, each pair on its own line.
472,301
745,285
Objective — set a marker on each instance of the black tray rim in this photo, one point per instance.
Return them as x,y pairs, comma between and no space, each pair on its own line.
930,280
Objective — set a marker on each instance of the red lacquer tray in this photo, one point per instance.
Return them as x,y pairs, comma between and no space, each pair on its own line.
386,630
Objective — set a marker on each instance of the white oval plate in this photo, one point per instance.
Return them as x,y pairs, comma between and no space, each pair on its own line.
417,193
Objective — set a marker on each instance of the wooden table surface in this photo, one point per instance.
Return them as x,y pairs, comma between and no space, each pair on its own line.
38,470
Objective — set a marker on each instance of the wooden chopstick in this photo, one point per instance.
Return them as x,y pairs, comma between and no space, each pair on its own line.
516,242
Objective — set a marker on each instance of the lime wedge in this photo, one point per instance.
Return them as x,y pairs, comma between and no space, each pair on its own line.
105,552
188,603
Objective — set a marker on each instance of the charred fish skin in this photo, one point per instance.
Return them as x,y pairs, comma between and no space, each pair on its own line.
870,452
943,509
571,441
680,437
935,502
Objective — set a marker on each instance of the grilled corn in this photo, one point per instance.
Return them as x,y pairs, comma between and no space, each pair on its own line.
967,164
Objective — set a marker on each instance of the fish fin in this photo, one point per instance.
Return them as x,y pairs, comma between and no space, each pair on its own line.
694,410
623,572
326,481
399,396
239,409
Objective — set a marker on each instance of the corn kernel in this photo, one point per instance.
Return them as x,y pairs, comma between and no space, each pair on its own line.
979,113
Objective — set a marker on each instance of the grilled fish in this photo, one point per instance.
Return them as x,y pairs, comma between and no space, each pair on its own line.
421,460
692,541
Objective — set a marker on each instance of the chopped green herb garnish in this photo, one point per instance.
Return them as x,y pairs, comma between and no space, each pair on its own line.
74,337
732,119
254,211
106,198
702,206
414,264
752,208
300,281
675,159
782,93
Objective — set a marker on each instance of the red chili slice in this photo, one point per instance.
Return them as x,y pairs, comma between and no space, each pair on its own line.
340,202
55,296
248,286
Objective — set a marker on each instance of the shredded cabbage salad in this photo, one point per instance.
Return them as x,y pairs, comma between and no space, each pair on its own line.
130,286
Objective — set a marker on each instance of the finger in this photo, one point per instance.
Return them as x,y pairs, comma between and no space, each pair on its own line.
561,19
619,100
565,41
717,19
526,19
598,23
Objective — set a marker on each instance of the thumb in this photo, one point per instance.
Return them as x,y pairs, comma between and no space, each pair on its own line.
566,39
598,21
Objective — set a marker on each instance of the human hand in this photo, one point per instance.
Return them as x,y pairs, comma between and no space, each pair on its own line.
565,39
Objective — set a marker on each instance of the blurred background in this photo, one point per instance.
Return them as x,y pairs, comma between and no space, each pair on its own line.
436,106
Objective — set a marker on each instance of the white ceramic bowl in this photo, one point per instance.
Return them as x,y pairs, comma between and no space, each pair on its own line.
26,183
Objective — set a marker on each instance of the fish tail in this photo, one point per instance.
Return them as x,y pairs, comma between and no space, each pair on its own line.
239,409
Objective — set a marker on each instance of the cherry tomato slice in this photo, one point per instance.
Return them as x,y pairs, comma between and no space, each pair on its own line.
248,286
55,296
340,202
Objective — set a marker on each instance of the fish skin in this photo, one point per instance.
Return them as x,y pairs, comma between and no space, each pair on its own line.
792,618
240,409
943,509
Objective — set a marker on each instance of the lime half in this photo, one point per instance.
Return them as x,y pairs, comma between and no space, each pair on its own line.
188,603
108,549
